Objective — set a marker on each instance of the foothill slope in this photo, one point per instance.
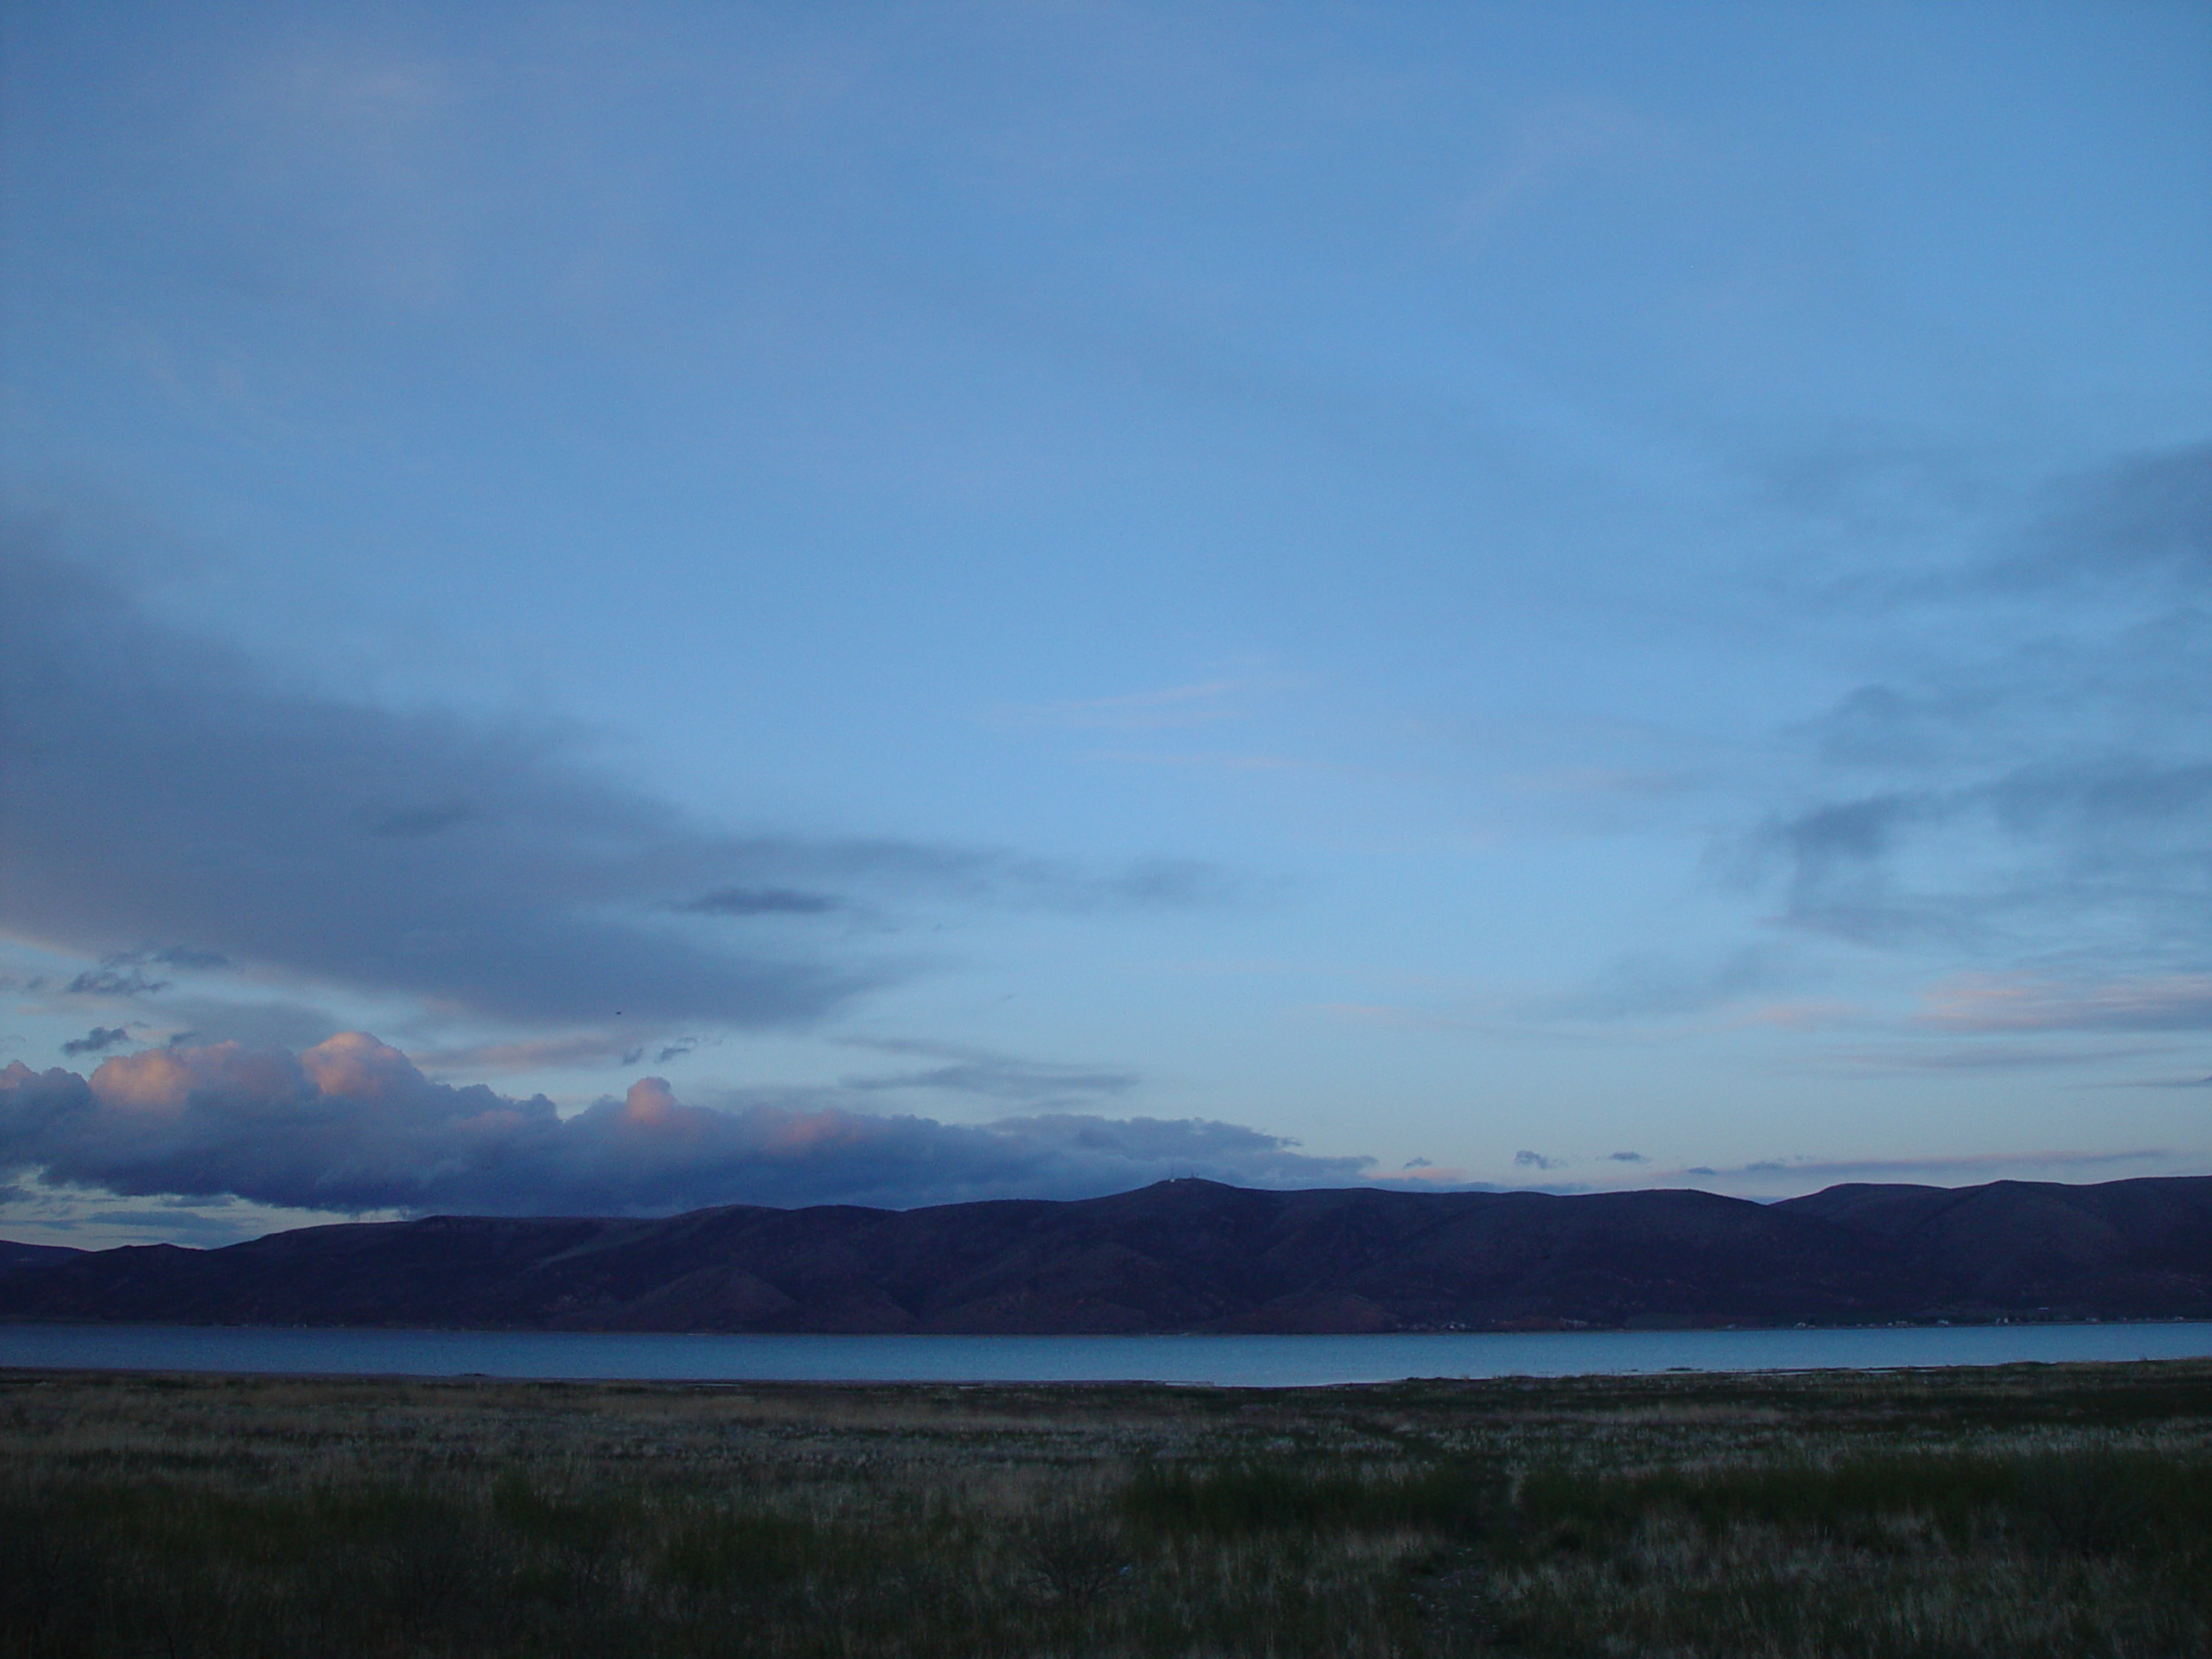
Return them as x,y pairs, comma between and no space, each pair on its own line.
1194,1255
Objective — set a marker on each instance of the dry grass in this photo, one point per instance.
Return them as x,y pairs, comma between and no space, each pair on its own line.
2024,1511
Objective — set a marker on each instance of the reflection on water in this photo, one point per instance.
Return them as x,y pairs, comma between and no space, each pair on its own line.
1244,1362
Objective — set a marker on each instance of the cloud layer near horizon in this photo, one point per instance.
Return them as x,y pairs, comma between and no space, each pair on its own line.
351,1125
165,787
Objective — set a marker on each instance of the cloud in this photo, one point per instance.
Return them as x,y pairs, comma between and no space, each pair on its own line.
1537,1160
993,1077
1599,781
1610,1005
123,973
1971,1166
1229,763
584,1048
1653,986
761,901
257,1024
2147,519
163,785
408,822
2015,1002
1800,1014
351,1125
1551,143
1138,711
111,981
1985,1052
97,1040
1144,883
2043,782
181,956
1626,1158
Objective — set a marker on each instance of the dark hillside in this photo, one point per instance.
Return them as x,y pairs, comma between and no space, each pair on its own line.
2123,1248
14,1255
1192,1256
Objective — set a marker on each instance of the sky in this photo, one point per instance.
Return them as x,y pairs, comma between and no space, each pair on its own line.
611,608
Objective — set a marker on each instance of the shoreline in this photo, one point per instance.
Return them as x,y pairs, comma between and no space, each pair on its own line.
1205,1360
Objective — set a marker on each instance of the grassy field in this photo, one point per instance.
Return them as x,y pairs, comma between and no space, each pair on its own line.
2022,1512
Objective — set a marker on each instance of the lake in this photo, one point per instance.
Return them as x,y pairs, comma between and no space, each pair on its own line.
1239,1362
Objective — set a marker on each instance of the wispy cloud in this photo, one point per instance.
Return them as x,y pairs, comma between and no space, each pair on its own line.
1198,704
1422,1176
587,1048
110,979
1900,1058
2019,1002
485,870
761,901
1806,1173
1801,1013
122,974
1598,781
261,1022
1626,1000
1215,762
1550,145
1650,985
2146,520
2046,777
994,1077
1490,1017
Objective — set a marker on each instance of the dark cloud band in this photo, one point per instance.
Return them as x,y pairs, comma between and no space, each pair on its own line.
161,786
351,1125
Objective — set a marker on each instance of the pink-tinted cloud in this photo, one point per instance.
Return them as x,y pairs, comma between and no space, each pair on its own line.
351,1125
1805,1014
2019,1002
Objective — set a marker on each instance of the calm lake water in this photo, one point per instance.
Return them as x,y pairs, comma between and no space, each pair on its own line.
1241,1362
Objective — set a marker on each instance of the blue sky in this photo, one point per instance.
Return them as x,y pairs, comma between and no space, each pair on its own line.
1022,598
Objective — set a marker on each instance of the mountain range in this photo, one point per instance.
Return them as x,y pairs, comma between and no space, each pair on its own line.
1194,1255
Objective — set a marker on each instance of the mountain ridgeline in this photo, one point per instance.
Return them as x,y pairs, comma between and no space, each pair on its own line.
1192,1255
